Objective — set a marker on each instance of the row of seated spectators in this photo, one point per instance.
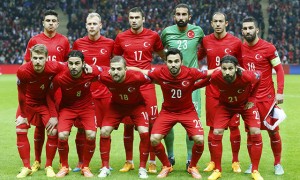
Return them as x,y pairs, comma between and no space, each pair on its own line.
24,17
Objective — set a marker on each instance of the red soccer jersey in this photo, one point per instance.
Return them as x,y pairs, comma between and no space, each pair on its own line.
96,53
214,49
128,91
258,57
32,86
238,93
58,46
177,91
76,92
137,49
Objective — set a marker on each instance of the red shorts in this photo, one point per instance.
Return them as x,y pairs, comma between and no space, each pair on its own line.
166,120
67,117
211,107
101,107
116,113
149,96
263,109
36,115
223,116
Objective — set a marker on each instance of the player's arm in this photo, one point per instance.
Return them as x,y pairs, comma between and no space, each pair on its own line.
22,118
161,54
51,100
201,53
280,83
144,71
256,78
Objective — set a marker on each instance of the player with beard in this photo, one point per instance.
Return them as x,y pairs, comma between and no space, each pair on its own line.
214,47
136,45
126,100
185,37
177,84
261,55
237,93
34,79
76,104
97,50
58,48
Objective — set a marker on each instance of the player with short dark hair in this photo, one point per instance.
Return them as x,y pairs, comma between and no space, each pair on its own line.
177,84
34,79
214,47
185,37
76,104
137,45
127,100
97,50
237,91
261,55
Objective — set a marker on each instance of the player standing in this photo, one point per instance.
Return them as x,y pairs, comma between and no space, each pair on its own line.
261,55
76,104
237,91
214,47
136,45
34,80
126,100
97,50
185,37
58,48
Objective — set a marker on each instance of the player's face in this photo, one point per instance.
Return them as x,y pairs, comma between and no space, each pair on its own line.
38,61
181,17
229,72
218,23
93,26
174,63
75,65
249,31
117,71
136,20
50,23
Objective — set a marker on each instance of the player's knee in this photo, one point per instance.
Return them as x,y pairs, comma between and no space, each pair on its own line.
63,135
53,132
155,139
105,131
218,131
142,129
90,135
272,133
198,139
254,130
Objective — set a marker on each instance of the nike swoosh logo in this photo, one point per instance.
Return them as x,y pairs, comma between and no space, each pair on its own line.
126,45
32,82
84,50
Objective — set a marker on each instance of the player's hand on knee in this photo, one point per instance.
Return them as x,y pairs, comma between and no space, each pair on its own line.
51,124
21,120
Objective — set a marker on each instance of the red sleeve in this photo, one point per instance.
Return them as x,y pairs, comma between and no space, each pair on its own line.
117,47
158,44
255,84
280,78
67,45
27,53
51,101
201,52
21,94
202,83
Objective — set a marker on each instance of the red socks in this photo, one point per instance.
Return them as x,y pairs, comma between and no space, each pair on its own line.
256,150
197,151
276,146
128,141
235,140
89,149
209,140
160,152
80,141
39,138
51,147
63,150
144,149
24,148
217,148
105,150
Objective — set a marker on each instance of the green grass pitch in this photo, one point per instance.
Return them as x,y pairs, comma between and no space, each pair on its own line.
10,161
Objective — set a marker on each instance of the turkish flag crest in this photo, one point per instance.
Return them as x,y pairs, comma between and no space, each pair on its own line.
190,34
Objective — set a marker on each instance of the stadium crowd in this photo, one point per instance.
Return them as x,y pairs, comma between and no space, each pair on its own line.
23,21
